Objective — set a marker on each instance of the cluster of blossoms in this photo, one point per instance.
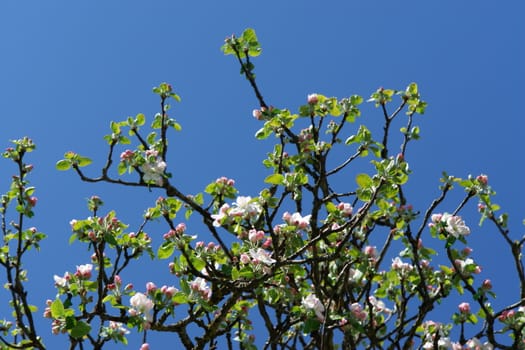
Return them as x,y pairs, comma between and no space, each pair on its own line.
148,162
295,219
312,302
244,208
153,168
141,305
378,306
201,288
467,266
208,248
437,330
259,255
305,139
403,267
452,224
179,231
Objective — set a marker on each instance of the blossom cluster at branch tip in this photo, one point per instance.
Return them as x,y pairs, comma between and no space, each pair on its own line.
295,219
464,308
84,271
243,207
225,181
312,99
452,224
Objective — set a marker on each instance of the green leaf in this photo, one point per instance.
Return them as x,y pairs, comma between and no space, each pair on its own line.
110,238
311,324
363,180
140,119
274,179
84,161
57,309
165,250
80,330
177,126
63,164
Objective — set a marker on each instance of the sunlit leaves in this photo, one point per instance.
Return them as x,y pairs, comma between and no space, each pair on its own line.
246,44
72,159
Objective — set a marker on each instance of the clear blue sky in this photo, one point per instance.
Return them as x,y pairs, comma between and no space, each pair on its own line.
69,67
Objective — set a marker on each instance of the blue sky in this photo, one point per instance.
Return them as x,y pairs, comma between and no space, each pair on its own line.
68,68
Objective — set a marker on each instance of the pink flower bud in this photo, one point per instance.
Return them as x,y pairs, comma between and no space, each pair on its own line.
245,259
487,284
257,114
151,287
144,346
464,308
312,99
483,179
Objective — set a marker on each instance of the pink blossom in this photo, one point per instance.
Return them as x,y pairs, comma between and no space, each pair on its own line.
311,302
296,219
475,344
153,171
257,114
223,212
456,226
464,308
267,243
312,99
200,286
255,236
245,258
487,284
62,281
142,305
261,255
151,287
127,155
245,206
398,264
483,179
345,208
84,271
357,311
169,291
144,346
453,224
378,305
371,251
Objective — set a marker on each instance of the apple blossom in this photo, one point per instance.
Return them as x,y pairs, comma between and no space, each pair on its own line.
358,311
379,306
200,286
255,235
244,206
84,271
475,344
257,114
142,304
464,308
153,171
296,219
261,255
218,218
311,302
312,99
345,208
